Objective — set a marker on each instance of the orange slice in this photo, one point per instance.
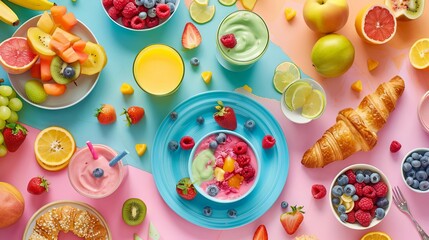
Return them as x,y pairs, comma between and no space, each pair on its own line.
419,54
376,236
376,24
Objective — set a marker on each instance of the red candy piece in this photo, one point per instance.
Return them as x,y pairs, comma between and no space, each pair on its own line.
240,148
228,40
163,11
395,146
137,23
130,10
187,142
152,22
268,141
318,191
243,160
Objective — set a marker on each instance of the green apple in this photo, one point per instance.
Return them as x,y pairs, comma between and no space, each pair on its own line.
325,16
332,55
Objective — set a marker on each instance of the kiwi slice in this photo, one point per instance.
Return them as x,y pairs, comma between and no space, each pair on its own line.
58,68
406,10
133,211
39,41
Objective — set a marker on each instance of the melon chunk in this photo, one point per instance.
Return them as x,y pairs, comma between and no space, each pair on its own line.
57,13
70,36
68,21
69,55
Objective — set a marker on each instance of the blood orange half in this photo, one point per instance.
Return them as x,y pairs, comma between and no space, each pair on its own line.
16,56
376,24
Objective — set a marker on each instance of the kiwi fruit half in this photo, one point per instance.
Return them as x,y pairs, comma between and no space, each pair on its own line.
133,211
406,9
58,67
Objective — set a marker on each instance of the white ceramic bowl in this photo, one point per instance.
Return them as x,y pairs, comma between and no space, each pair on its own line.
253,183
161,23
423,111
383,178
420,151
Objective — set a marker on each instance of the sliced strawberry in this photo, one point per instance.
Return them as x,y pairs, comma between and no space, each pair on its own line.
191,37
292,220
261,233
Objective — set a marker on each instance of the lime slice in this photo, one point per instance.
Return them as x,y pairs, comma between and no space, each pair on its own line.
203,3
300,96
285,73
290,91
201,14
227,2
314,105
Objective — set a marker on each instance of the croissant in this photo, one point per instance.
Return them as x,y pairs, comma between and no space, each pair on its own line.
67,218
356,129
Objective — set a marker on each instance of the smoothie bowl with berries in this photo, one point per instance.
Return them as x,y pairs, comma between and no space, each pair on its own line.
360,196
223,167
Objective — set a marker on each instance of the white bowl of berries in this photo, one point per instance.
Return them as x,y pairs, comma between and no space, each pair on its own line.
415,170
223,166
140,15
360,196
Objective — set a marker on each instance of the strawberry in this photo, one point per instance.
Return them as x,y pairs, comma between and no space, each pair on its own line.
106,114
260,233
292,220
186,189
134,114
225,116
228,40
37,185
14,135
191,37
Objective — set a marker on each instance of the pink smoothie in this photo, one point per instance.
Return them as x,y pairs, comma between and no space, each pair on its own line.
216,159
82,165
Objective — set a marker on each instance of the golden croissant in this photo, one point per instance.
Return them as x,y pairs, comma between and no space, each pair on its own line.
67,218
356,129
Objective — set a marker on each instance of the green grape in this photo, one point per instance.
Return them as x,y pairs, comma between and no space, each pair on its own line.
4,101
15,104
4,112
13,95
13,117
2,124
6,90
1,138
3,150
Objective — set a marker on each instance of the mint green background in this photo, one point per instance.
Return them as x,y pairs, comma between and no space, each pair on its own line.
122,46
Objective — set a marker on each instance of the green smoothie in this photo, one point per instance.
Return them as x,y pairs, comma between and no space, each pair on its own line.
251,34
203,166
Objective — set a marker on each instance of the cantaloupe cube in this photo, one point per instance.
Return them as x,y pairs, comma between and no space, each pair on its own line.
68,21
46,23
71,37
45,69
57,46
57,13
69,55
79,45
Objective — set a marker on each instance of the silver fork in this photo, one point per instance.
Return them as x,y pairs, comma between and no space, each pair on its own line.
401,203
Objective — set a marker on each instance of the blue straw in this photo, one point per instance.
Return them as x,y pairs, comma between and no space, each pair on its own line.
118,157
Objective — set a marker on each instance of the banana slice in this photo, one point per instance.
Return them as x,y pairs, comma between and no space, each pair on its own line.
349,206
96,61
346,198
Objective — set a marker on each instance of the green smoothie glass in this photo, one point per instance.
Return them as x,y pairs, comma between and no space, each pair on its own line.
252,36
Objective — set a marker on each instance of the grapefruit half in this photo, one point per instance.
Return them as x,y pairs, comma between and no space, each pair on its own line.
376,24
16,56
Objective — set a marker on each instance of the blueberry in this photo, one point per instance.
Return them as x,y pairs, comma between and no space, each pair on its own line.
139,2
200,120
284,204
360,177
232,213
335,201
421,175
375,178
427,171
426,154
170,1
221,138
382,202
415,184
416,163
69,72
409,159
425,161
355,198
212,190
424,185
342,180
406,166
359,171
337,191
174,115
349,190
195,61
151,12
213,145
171,6
98,173
416,156
411,173
367,172
149,3
173,145
250,124
379,213
341,209
344,217
143,15
409,181
367,179
160,1
207,211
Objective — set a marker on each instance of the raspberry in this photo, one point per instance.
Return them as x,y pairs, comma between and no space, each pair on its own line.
366,204
248,172
356,207
114,13
351,175
152,22
351,217
243,160
395,146
318,191
163,11
141,9
364,218
138,23
372,211
369,192
120,4
130,10
126,22
359,188
240,148
228,40
380,189
186,142
107,3
268,141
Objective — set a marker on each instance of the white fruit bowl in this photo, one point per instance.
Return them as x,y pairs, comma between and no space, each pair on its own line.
425,166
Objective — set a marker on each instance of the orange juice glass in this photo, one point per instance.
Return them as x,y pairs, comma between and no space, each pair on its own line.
158,69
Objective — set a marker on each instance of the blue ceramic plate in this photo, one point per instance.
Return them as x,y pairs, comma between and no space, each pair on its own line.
169,167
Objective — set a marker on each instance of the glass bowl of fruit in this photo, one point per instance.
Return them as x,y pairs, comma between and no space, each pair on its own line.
140,15
360,196
415,170
223,166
